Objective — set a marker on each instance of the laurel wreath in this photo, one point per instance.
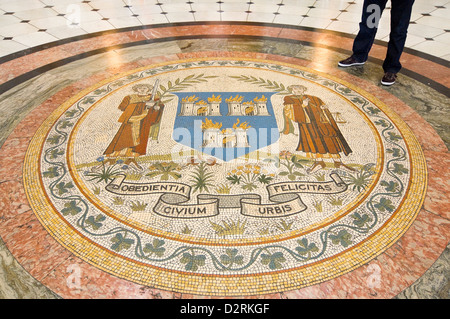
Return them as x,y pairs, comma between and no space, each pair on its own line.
181,84
267,84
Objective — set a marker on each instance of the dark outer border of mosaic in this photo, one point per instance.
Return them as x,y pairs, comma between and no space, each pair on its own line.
28,75
45,46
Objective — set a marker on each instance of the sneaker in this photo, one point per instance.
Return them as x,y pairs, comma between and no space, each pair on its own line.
351,61
388,78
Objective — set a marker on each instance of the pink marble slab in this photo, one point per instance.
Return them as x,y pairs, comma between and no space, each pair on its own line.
21,65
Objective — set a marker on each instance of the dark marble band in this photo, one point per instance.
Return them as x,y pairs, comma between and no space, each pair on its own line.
29,75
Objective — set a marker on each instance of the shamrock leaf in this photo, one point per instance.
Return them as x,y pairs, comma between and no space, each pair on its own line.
274,261
54,139
71,208
193,261
384,205
357,99
95,222
277,67
209,63
155,248
90,99
231,257
373,110
391,186
99,91
360,221
71,113
394,137
345,90
394,151
260,65
51,173
65,124
62,187
305,247
399,169
342,238
120,242
55,153
383,123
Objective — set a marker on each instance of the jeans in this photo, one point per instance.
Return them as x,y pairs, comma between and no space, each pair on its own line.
400,16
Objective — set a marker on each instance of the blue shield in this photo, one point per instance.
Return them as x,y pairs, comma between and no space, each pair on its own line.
225,125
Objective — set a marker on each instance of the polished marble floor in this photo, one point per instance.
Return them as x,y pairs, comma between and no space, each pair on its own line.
30,23
55,53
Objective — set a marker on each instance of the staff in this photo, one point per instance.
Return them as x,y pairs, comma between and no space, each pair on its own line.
152,102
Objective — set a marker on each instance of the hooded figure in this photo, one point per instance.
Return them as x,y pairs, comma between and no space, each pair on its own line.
319,135
137,118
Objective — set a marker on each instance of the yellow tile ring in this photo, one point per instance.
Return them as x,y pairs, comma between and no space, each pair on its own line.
225,176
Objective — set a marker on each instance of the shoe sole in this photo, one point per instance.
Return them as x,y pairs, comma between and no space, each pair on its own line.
353,64
387,83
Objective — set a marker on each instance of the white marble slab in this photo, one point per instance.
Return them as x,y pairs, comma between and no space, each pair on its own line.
49,14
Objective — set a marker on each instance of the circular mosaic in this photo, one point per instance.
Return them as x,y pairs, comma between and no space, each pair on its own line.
225,176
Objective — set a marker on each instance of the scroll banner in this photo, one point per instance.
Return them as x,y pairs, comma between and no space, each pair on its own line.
284,197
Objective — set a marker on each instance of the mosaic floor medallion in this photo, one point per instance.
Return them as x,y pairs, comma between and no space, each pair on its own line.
225,176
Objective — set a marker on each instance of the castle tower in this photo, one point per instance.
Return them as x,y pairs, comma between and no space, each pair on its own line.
241,138
187,109
234,105
187,105
261,106
214,105
234,109
214,109
262,109
212,137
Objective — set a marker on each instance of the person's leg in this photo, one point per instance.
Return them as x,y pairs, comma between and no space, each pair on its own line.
372,10
400,16
371,13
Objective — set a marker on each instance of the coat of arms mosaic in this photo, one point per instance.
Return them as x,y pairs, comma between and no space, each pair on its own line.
225,176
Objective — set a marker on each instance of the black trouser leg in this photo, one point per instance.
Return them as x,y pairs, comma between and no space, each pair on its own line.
367,28
400,17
